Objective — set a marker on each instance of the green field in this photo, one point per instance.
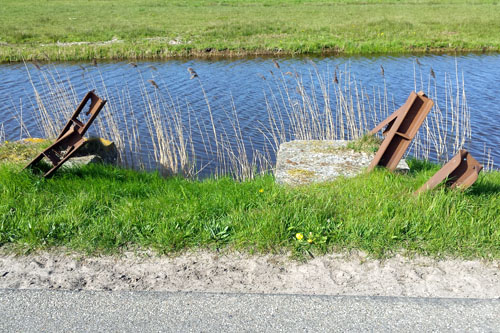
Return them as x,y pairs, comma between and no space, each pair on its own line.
31,29
99,209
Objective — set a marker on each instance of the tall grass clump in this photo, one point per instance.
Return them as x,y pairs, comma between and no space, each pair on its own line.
334,105
447,128
182,140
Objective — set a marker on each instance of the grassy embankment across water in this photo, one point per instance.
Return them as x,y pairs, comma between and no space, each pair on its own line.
101,208
131,29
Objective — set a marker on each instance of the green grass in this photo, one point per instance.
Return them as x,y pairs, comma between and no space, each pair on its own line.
101,208
367,143
30,28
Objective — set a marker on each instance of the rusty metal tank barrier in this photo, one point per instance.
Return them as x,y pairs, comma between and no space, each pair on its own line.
402,126
461,171
71,137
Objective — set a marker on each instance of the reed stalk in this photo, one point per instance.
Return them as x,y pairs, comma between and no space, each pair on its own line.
331,105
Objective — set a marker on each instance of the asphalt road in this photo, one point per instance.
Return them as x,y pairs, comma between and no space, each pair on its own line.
87,311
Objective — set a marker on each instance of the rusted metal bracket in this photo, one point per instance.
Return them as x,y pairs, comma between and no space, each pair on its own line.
71,137
402,126
461,171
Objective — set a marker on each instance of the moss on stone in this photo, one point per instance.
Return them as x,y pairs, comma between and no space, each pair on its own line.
301,173
22,151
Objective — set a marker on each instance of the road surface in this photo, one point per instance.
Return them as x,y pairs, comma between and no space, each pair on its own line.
98,311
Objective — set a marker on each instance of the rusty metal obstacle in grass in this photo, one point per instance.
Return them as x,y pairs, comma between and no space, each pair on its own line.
402,126
460,172
71,136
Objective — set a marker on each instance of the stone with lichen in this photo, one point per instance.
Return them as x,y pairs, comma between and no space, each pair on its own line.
302,162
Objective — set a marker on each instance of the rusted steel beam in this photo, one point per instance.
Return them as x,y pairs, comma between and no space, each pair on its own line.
402,126
461,171
71,136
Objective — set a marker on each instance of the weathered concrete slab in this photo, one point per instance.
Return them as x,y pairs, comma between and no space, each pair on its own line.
83,160
313,161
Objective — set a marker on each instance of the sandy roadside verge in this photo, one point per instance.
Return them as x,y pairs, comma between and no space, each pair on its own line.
336,274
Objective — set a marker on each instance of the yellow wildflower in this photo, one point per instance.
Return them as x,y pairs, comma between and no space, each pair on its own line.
299,236
310,240
261,190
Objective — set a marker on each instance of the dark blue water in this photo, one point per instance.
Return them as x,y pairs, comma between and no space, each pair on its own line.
247,87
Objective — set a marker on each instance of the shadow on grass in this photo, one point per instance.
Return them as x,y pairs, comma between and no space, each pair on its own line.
109,172
484,187
40,168
418,166
97,171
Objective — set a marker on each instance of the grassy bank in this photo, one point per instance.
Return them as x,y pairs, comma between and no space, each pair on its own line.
130,29
103,208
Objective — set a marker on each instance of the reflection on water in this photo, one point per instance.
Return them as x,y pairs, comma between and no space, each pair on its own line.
246,90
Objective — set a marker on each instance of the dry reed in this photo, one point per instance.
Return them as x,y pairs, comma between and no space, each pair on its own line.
321,106
2,133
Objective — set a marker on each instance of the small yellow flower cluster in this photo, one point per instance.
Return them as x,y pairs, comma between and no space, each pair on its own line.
300,237
261,190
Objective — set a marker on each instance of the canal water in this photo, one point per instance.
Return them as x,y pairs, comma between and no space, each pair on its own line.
234,107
